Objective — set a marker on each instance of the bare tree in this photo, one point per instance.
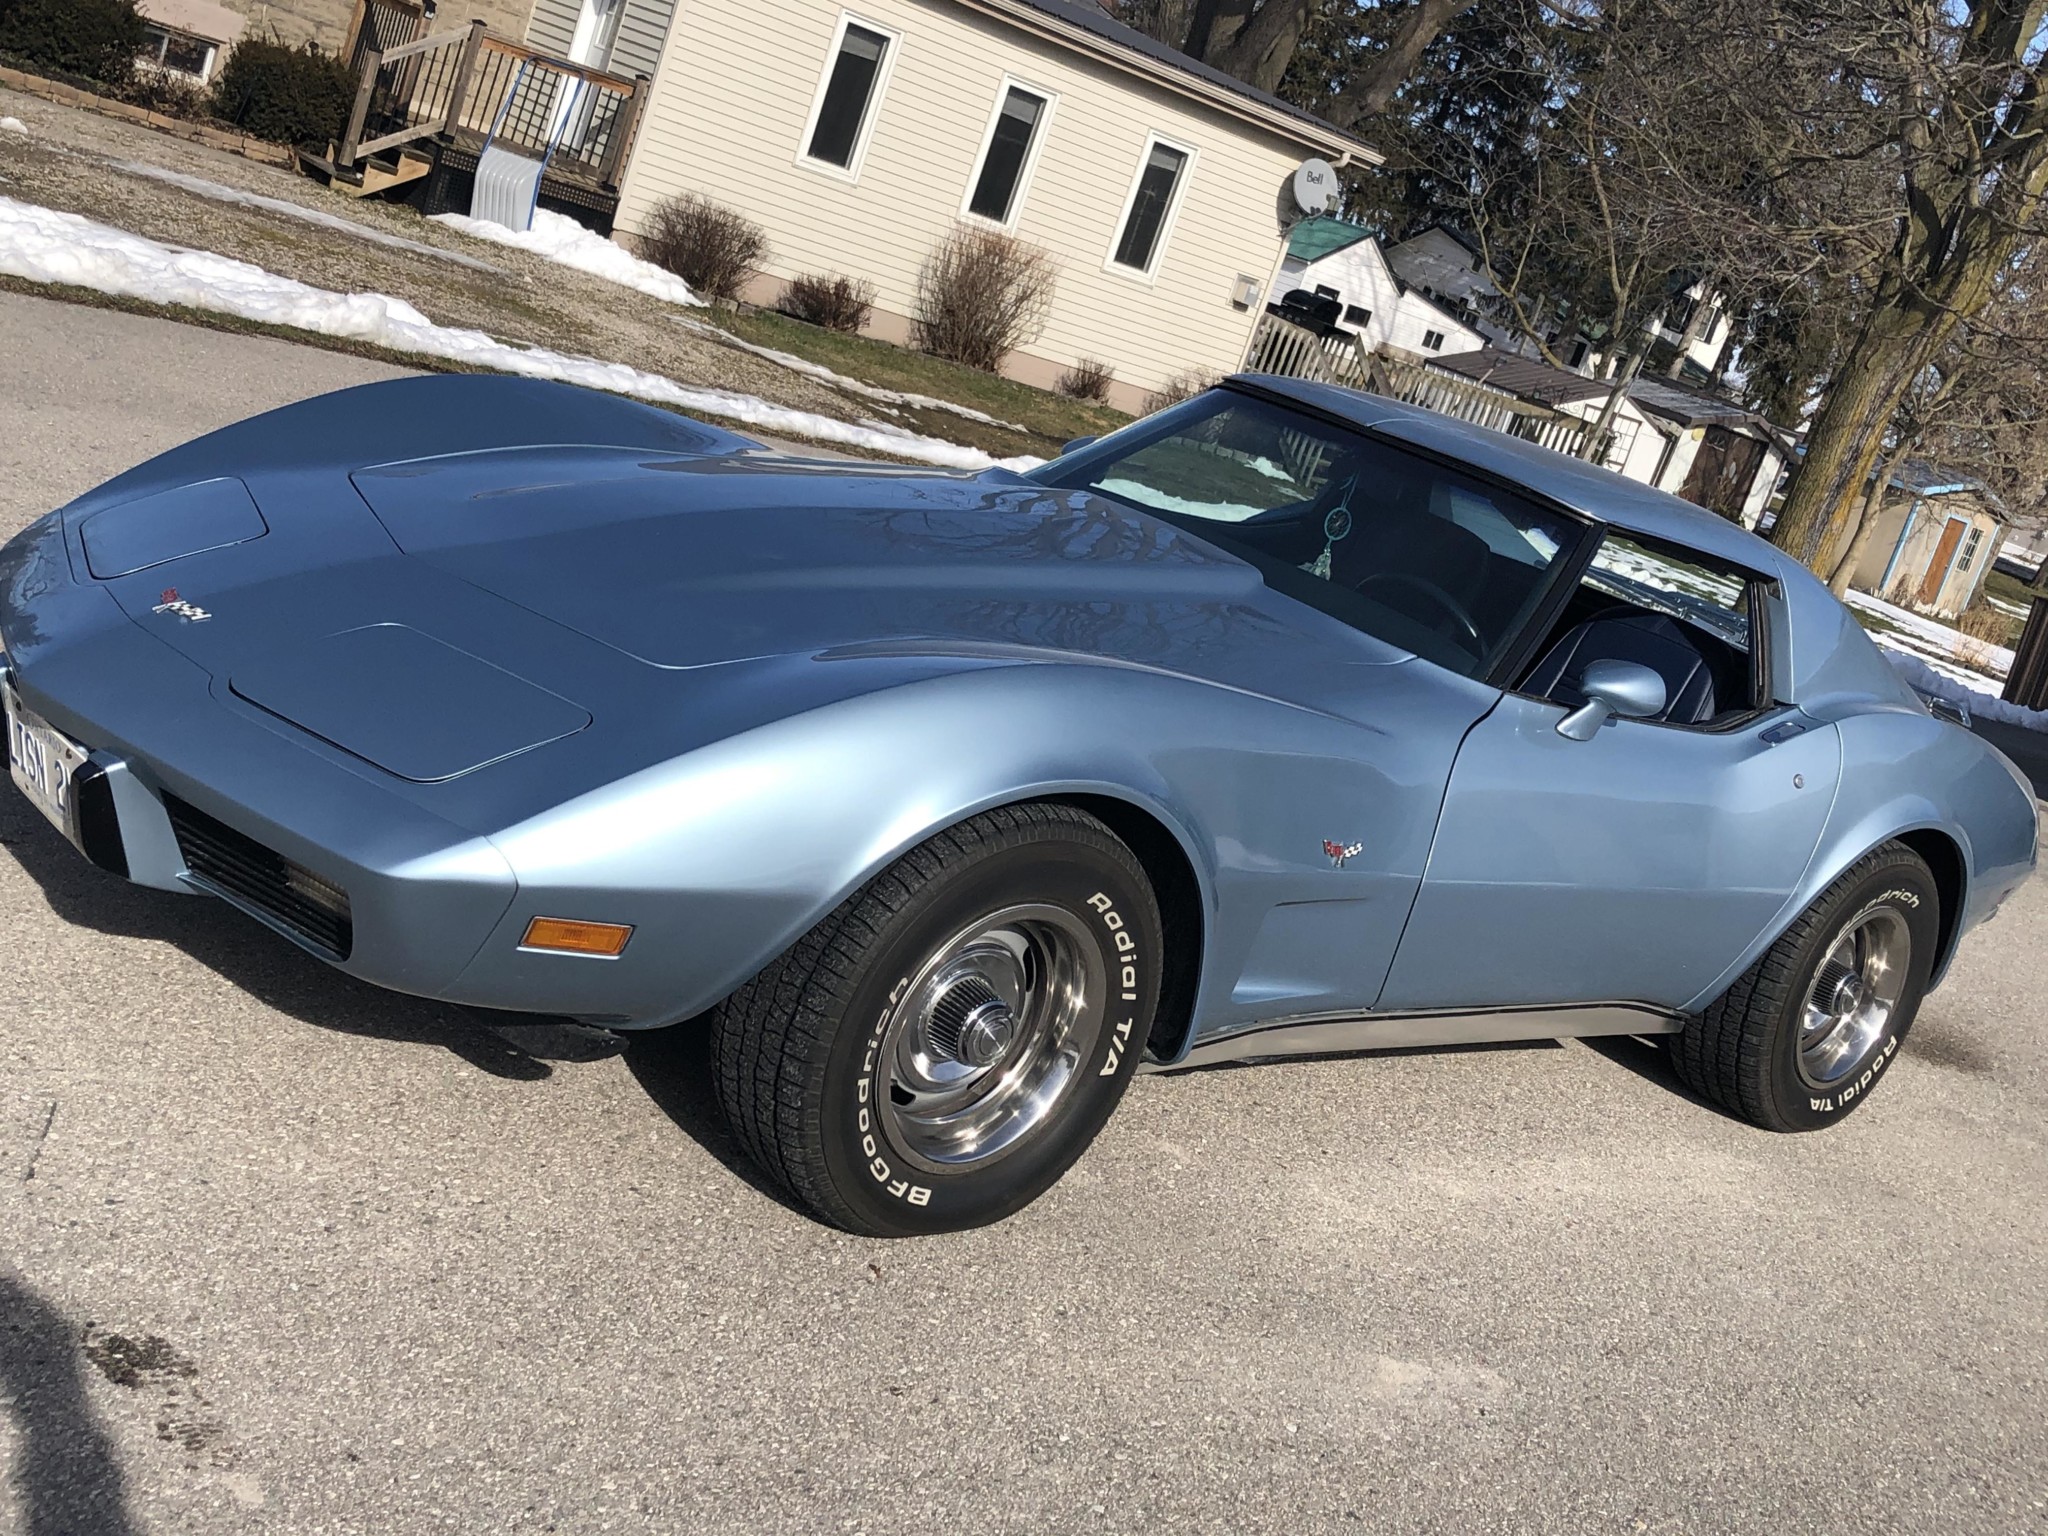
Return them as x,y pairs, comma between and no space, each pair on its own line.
1981,408
1949,104
1256,41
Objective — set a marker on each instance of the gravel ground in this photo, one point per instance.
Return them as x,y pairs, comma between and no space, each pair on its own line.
281,1253
72,160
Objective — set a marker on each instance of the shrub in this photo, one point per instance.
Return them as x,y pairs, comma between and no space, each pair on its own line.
980,294
95,39
286,95
706,244
1088,379
1981,621
836,303
167,94
1182,386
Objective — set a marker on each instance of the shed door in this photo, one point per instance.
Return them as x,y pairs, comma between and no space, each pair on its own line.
1937,568
1723,471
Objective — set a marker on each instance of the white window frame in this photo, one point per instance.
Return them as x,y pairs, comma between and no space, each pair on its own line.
1030,166
1150,275
850,172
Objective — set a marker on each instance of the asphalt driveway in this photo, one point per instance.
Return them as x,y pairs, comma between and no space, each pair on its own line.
281,1253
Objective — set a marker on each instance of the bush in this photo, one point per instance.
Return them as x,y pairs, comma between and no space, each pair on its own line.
94,39
1981,621
836,303
1088,379
167,94
1182,386
286,95
979,295
706,244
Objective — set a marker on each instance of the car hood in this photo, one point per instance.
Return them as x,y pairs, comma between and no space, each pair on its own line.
441,615
691,562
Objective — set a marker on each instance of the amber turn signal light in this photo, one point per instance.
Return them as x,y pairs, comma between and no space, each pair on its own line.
568,937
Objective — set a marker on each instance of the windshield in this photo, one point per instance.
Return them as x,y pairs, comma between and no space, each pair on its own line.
1411,551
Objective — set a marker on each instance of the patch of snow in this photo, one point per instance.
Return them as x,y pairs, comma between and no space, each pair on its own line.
13,125
1980,702
1143,495
46,246
2014,609
559,238
1930,638
201,187
860,387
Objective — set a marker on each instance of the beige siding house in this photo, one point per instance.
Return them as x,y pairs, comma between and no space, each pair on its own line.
859,135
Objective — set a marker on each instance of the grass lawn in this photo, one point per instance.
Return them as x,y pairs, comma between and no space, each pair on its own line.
1049,419
2009,588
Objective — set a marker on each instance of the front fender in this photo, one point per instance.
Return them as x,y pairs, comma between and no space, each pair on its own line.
723,857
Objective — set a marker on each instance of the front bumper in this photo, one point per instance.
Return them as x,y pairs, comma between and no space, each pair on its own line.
222,804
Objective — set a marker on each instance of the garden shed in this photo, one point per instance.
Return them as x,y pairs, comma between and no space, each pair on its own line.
1935,541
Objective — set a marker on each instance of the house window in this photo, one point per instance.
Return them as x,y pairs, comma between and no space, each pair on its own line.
1579,353
179,52
1150,206
844,111
1432,341
1970,549
1357,314
1324,292
1007,156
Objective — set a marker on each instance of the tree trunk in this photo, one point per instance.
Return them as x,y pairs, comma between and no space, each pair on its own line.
1594,449
1257,51
1849,430
1373,88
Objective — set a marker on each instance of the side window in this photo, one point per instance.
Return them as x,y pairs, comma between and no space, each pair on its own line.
844,111
1007,156
1684,615
1150,206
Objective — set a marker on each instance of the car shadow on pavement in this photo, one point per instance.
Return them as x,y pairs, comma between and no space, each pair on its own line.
1647,1058
261,963
65,1480
673,1066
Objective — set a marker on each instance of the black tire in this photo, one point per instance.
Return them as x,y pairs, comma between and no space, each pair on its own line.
809,1051
1745,1052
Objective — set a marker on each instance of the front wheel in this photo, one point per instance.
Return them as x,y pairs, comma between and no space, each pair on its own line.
1804,1035
938,1051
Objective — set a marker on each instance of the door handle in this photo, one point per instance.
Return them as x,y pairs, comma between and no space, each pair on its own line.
1784,730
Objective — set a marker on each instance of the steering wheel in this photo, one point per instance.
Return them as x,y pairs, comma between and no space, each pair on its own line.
1436,595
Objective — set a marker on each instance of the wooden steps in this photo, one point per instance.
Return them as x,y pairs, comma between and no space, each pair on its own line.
380,173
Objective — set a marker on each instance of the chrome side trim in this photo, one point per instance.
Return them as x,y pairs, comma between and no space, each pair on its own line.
1326,1034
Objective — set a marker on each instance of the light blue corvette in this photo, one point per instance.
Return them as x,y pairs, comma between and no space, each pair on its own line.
1288,720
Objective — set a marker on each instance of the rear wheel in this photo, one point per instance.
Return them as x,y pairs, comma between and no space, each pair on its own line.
1804,1035
938,1051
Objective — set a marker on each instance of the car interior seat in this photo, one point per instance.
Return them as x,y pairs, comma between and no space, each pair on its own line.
1650,639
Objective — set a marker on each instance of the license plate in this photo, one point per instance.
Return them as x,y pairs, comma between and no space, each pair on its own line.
42,761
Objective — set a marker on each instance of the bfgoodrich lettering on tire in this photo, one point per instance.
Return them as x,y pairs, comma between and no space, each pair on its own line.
936,1053
1807,1032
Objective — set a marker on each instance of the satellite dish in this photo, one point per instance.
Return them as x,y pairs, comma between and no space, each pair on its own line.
1315,187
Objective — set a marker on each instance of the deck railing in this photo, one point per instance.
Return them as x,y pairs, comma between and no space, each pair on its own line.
464,82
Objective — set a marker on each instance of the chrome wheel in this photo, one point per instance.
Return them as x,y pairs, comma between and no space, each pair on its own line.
989,1035
1853,996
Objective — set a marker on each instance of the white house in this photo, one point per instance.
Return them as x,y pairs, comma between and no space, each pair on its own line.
1334,259
1449,268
